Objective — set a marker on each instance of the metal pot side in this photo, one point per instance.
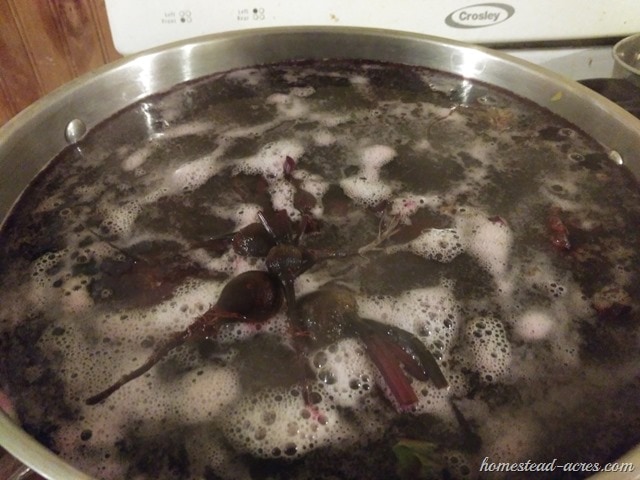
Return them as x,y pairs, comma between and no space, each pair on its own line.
626,56
30,140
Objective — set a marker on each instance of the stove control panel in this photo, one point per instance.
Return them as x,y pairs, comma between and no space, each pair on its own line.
143,24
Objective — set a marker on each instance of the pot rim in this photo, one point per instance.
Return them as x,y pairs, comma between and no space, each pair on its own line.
548,89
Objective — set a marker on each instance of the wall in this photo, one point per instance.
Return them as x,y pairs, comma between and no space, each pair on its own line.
46,43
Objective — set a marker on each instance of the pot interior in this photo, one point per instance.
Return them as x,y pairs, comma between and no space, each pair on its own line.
475,186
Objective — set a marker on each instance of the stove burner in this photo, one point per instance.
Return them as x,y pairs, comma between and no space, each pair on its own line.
620,91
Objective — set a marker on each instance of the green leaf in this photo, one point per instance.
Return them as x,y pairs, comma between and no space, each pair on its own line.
417,459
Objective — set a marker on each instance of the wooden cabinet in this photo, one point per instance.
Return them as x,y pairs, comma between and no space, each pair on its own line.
46,43
43,45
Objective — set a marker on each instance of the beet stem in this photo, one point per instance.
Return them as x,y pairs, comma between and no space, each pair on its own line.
389,368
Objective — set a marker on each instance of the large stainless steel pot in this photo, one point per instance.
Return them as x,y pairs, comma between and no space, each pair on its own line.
37,134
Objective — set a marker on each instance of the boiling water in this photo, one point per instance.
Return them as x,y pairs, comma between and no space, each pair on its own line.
120,242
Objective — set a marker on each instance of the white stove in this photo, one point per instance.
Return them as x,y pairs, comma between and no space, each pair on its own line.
571,37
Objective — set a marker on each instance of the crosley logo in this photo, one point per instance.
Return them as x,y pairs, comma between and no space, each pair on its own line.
480,15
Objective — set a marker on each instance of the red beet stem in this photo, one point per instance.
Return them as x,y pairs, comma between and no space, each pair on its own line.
389,367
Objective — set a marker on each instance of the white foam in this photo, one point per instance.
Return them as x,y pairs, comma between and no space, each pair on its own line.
201,394
487,340
432,400
191,175
119,219
87,193
208,451
136,159
246,76
244,331
507,443
316,186
365,187
190,300
365,190
534,325
404,206
282,196
289,106
374,157
311,281
329,120
276,424
358,80
242,214
42,292
75,295
249,131
269,161
440,244
105,431
490,241
323,138
303,92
